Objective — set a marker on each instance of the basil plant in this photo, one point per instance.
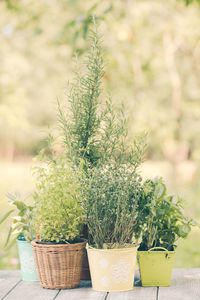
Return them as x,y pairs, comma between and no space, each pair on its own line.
163,217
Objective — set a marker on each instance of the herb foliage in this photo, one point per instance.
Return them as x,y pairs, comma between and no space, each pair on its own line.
111,202
96,137
59,215
93,130
23,223
163,217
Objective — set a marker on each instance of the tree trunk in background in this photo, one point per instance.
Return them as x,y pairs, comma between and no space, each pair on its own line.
180,152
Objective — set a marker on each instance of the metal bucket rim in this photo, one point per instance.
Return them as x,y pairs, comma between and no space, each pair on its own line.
123,250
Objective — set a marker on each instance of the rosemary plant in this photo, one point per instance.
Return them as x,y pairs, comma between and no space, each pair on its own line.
81,123
93,130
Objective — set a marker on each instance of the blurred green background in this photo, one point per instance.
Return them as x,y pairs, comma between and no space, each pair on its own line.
152,54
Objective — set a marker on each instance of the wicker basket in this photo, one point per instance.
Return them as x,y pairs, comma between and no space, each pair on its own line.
58,265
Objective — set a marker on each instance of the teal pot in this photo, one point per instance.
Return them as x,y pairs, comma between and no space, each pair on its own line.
26,258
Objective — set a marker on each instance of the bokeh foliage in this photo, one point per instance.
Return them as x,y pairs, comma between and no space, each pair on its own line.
152,53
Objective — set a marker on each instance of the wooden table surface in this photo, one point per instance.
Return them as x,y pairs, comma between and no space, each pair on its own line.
185,285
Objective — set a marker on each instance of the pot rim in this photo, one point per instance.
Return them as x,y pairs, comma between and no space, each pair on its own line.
42,245
127,249
151,252
22,241
60,243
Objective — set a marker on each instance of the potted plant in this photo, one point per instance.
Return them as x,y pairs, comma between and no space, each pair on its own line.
94,132
165,223
58,251
23,231
111,198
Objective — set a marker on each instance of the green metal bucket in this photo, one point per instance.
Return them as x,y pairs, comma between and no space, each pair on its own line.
27,264
156,266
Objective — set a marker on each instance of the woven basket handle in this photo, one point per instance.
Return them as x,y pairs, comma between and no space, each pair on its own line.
161,248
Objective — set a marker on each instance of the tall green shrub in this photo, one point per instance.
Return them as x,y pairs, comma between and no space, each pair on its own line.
93,130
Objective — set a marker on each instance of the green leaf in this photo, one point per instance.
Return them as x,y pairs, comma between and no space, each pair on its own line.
11,244
160,212
20,205
94,6
69,24
6,216
159,190
8,238
11,197
22,212
184,230
107,10
85,29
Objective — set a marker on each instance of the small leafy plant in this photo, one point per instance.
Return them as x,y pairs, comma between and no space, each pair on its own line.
58,199
163,217
22,225
111,202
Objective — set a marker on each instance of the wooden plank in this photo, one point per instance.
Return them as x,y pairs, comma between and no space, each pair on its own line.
82,292
8,279
185,285
138,293
27,290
